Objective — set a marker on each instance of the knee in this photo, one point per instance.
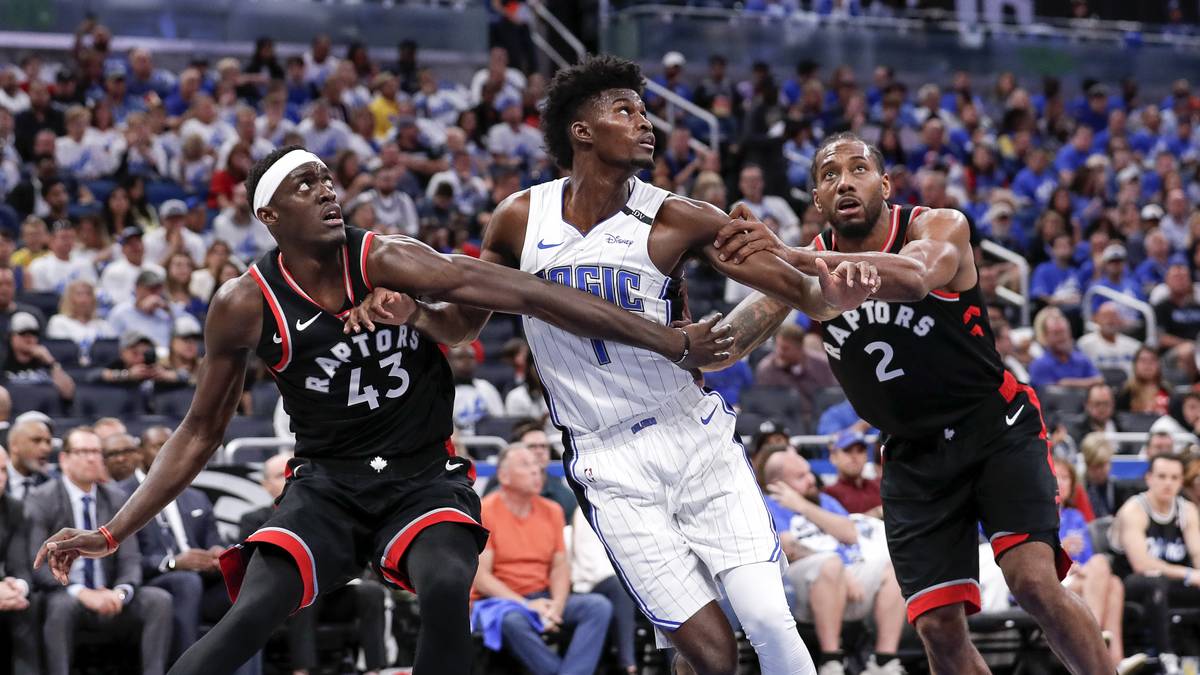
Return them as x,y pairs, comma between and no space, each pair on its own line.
833,570
155,602
515,621
594,606
1099,566
61,604
766,617
445,584
713,662
943,625
183,587
1035,590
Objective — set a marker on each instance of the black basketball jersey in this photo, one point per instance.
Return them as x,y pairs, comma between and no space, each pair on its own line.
1164,537
912,369
388,392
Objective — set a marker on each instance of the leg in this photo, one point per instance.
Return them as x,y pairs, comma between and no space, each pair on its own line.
889,614
151,607
187,591
1070,629
301,627
441,565
272,590
1113,618
622,628
943,630
1151,592
757,595
590,614
58,631
25,640
525,643
369,600
705,642
827,597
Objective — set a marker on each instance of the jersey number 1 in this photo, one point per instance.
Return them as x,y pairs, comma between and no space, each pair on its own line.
881,370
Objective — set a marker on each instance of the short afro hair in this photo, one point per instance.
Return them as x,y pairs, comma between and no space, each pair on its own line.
260,167
876,155
573,87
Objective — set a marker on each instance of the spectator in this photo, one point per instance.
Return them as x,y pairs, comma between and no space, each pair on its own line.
1156,536
148,314
78,153
9,306
1107,347
853,491
751,185
474,398
12,97
53,272
232,173
1178,315
107,427
1153,270
1061,364
35,237
246,128
205,122
507,82
193,167
1036,182
118,278
18,623
144,78
1145,392
77,319
525,563
323,134
1114,275
1174,223
592,572
512,141
532,436
40,115
1091,577
1056,281
790,364
30,442
394,210
470,191
319,62
528,399
204,280
136,362
93,246
178,287
105,594
834,578
29,361
121,458
1104,493
183,359
173,237
1099,407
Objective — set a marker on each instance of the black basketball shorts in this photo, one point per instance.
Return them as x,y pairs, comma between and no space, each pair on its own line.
992,469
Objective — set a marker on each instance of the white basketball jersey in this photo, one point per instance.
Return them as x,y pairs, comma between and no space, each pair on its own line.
593,384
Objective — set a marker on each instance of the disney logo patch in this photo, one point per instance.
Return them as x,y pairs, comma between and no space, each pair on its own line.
614,239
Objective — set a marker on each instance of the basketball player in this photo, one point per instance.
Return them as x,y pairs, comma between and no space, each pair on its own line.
652,458
374,478
965,443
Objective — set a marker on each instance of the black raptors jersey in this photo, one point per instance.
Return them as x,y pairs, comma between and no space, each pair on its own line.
385,393
913,368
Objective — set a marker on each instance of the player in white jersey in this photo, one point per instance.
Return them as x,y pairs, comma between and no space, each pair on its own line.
653,459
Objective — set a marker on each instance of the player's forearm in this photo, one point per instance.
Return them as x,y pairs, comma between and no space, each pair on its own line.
448,323
755,319
902,278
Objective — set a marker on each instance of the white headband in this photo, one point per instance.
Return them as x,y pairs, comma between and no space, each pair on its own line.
272,177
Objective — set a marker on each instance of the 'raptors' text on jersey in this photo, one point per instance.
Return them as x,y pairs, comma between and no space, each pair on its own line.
913,368
593,384
386,392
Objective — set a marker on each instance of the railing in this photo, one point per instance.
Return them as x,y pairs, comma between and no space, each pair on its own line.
1021,296
1142,308
228,454
563,32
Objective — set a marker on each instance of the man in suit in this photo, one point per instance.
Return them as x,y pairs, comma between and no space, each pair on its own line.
106,594
363,600
18,624
30,441
121,458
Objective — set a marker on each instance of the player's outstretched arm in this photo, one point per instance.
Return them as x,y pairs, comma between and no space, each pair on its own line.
232,329
751,322
939,241
408,265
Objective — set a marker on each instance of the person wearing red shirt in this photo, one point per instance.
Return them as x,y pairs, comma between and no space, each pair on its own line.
858,494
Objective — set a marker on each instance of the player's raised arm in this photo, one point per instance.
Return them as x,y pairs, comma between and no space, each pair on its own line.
233,326
406,264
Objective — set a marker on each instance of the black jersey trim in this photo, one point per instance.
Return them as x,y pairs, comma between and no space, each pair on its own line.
287,277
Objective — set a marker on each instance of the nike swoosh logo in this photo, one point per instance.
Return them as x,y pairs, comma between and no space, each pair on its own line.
542,244
450,466
276,339
706,420
1013,418
306,324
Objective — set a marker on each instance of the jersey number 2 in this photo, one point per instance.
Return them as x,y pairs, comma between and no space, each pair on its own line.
881,370
369,394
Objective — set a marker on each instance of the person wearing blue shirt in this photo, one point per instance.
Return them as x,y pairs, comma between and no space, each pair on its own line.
1061,364
1153,270
1180,144
730,381
840,417
1114,274
1072,156
1055,282
1036,182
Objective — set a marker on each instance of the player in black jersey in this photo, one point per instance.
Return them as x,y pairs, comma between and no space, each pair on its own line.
375,479
965,443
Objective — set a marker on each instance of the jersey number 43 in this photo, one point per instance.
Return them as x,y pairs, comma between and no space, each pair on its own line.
369,394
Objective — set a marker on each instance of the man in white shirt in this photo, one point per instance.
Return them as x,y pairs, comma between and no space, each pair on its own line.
512,138
394,209
474,398
1107,347
207,123
237,227
117,279
246,131
497,70
53,272
323,135
318,62
12,97
81,153
173,237
763,206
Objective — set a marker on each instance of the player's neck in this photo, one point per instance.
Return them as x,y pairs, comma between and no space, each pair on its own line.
874,240
315,269
594,193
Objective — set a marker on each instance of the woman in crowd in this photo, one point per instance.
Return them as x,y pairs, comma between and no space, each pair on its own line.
178,287
1145,392
204,280
76,319
118,211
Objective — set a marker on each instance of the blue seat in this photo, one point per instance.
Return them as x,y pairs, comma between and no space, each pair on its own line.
158,192
244,426
65,352
101,189
174,402
104,352
107,400
42,397
45,301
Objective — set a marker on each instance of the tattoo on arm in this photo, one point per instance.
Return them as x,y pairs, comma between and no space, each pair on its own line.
753,321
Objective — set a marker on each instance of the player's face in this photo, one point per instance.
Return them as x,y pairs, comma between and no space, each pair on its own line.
620,132
1165,479
304,209
850,191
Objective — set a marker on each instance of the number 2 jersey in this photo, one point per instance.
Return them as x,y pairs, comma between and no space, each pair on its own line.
912,369
387,392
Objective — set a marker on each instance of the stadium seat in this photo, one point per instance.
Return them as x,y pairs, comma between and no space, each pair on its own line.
265,396
136,425
1098,532
497,331
496,372
827,398
66,352
1066,399
107,400
158,192
42,397
748,423
101,189
1139,422
1114,377
247,426
496,426
45,301
782,405
173,402
104,352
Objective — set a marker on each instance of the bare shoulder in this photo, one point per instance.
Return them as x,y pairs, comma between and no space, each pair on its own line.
513,211
235,315
1190,511
680,211
944,224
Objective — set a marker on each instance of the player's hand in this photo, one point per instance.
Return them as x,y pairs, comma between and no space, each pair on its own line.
64,548
382,305
847,286
746,235
708,343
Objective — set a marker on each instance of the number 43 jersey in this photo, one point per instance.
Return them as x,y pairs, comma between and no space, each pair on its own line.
388,392
912,369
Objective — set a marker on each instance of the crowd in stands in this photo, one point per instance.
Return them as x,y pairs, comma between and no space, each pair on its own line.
123,211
